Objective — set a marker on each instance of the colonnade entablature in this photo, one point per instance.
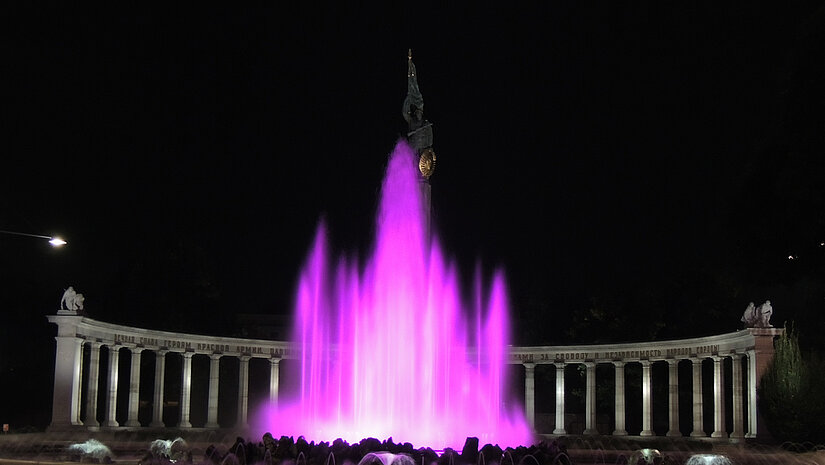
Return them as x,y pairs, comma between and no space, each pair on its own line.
114,335
80,339
723,345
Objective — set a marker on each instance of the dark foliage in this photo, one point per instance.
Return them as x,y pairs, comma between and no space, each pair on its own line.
790,395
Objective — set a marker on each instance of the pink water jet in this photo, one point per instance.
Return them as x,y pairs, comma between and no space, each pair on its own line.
390,349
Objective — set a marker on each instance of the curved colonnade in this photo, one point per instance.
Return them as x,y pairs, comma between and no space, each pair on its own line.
80,339
749,351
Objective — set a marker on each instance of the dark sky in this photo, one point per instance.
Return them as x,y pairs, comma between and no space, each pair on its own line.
188,154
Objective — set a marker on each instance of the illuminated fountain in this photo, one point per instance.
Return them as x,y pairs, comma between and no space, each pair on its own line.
391,349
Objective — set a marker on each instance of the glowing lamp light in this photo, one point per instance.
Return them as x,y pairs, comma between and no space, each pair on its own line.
57,242
54,241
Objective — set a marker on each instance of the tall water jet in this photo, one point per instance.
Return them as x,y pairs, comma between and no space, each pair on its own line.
390,349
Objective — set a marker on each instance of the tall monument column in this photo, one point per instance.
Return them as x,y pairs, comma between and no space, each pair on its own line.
420,138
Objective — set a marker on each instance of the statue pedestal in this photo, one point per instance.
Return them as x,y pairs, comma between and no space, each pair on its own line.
763,346
763,350
67,378
421,138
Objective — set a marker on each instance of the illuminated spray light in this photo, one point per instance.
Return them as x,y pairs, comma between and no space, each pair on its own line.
390,349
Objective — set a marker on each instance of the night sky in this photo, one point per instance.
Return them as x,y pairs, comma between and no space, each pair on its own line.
625,157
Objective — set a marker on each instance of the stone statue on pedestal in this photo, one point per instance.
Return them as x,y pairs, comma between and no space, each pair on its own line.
420,131
71,301
758,317
420,138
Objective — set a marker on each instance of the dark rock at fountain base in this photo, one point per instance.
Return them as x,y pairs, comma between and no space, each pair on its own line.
371,445
303,447
489,451
448,457
469,453
427,454
287,451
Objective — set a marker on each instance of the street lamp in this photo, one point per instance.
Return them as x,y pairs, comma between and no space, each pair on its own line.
54,241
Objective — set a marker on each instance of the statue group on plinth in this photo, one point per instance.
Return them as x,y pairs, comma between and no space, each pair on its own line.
758,317
72,301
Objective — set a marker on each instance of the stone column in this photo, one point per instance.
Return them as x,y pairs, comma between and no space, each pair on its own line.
134,388
718,399
274,379
559,399
673,398
214,378
157,403
620,411
698,417
185,389
243,391
530,394
79,400
68,364
647,400
111,412
91,391
738,416
590,400
751,394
